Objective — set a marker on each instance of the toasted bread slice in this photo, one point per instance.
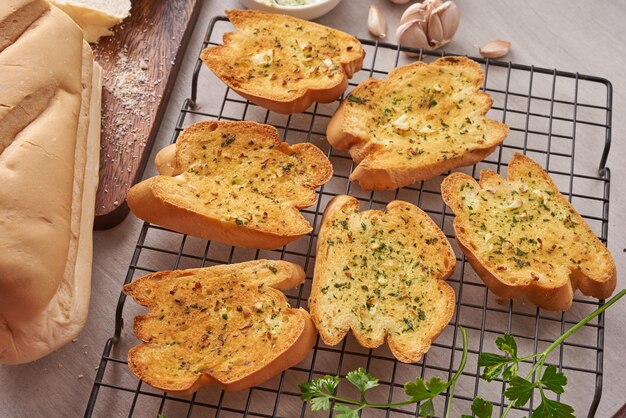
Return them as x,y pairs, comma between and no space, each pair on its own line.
524,238
224,324
233,182
283,63
424,120
382,274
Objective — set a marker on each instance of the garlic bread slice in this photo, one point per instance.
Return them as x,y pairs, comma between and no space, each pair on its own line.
225,325
382,275
283,63
424,120
233,182
524,238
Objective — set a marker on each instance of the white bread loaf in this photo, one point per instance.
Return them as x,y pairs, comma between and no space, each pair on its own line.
49,155
95,17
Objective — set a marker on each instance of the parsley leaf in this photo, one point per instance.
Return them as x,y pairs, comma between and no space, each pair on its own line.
435,386
344,411
520,391
493,365
553,409
362,379
553,380
320,403
355,99
318,392
507,344
427,409
416,390
482,408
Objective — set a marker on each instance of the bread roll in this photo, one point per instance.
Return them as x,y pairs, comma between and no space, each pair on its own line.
49,155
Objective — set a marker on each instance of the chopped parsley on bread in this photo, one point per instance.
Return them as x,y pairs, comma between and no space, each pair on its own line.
424,120
225,325
233,182
382,275
283,63
524,238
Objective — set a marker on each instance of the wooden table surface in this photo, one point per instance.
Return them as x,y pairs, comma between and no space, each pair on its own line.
572,35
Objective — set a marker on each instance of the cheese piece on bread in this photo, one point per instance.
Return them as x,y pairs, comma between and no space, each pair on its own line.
225,324
382,275
283,63
524,238
424,120
49,123
233,182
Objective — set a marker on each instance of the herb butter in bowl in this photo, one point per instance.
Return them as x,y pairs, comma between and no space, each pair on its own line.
303,9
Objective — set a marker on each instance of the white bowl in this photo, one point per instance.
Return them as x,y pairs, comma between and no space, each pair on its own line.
308,11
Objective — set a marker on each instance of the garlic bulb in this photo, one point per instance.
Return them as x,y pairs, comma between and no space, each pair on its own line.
495,49
376,22
428,25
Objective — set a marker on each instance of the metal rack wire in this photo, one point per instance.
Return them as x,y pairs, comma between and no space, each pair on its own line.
561,119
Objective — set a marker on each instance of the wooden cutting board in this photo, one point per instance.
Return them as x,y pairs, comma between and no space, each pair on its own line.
140,62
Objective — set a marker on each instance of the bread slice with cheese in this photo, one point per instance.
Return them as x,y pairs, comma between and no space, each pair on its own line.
233,182
229,325
95,17
49,156
283,63
382,275
424,120
524,238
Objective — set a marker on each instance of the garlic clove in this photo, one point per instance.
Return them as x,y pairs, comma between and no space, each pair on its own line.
417,11
376,22
450,19
435,31
410,34
495,49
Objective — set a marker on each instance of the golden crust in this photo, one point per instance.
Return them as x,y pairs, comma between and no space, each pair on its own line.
525,239
424,120
308,62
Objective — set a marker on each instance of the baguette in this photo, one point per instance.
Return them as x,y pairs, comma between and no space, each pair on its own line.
233,182
49,155
382,275
524,238
282,63
424,120
227,325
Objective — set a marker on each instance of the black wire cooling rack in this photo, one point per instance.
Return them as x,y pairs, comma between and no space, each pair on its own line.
560,119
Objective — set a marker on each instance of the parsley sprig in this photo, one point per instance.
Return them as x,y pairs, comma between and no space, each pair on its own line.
321,391
545,378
